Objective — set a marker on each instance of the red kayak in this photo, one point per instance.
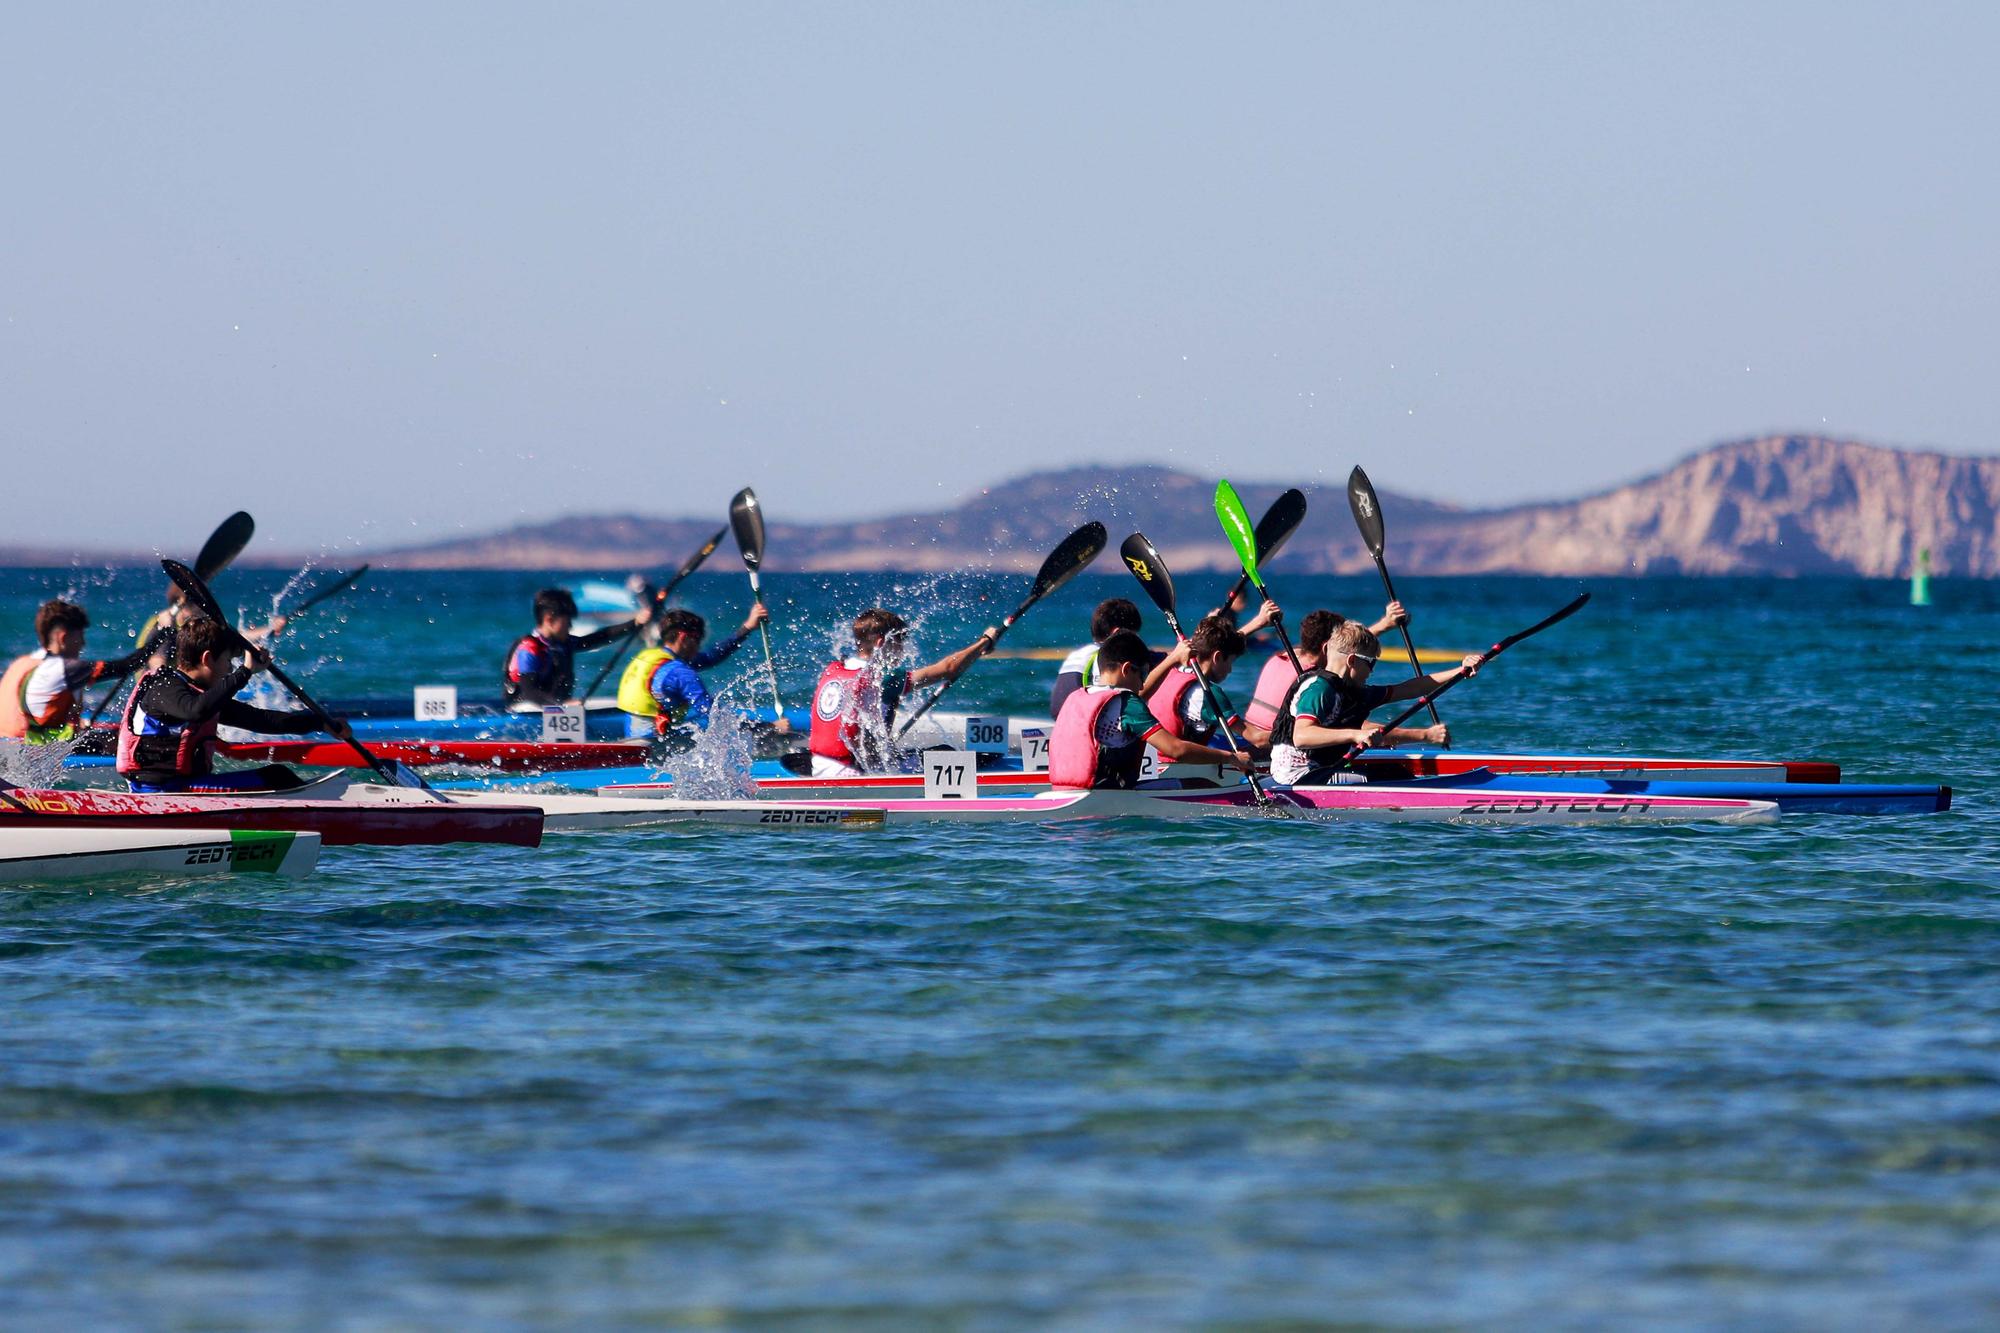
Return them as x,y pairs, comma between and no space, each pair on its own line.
506,756
339,823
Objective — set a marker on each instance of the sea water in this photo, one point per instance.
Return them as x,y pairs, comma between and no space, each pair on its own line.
1091,1075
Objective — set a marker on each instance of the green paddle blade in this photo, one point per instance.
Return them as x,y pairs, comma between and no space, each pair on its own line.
1236,526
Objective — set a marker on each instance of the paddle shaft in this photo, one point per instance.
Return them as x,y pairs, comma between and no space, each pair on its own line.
1221,714
688,566
952,679
1278,625
382,770
764,629
1409,644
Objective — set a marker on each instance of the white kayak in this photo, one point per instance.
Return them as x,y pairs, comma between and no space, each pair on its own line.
42,855
1361,803
561,812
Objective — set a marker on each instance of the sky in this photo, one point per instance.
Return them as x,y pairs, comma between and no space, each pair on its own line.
385,273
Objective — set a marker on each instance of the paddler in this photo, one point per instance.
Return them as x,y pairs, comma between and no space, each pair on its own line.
1113,614
1173,692
855,701
38,693
662,686
1101,738
156,636
1326,710
541,667
166,738
1278,673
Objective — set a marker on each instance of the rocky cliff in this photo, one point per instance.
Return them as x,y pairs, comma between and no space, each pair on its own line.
1786,505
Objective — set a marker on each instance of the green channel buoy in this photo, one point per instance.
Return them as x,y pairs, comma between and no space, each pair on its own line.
1920,581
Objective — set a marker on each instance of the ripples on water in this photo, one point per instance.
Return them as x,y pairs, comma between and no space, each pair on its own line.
1117,1074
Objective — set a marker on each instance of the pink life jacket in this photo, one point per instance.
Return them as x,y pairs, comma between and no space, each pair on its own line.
1076,758
194,755
1165,705
1272,684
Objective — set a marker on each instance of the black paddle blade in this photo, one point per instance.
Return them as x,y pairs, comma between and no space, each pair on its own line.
1143,559
1069,559
747,517
1367,510
197,592
1280,521
224,545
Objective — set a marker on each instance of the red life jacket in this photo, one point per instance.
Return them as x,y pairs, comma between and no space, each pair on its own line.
836,711
194,749
1077,758
1272,684
14,696
1165,705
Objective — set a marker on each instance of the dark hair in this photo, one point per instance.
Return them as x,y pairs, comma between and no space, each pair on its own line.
1122,648
681,621
198,638
554,602
1113,614
1216,635
874,625
58,614
1317,628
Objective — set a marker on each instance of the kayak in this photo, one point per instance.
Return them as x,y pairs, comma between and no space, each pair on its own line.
1823,798
561,812
338,822
1366,803
506,756
40,855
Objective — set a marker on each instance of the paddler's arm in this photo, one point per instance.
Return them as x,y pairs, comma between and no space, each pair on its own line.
946,667
1187,752
1392,616
1163,668
597,638
76,675
1417,686
716,656
171,699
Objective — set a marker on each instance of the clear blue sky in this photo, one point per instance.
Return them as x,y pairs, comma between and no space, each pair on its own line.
383,272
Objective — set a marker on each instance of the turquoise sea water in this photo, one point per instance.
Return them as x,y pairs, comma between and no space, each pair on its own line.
1118,1075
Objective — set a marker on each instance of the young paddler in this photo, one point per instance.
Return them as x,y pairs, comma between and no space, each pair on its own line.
855,702
1326,710
1278,673
166,738
1100,739
1113,614
541,667
1173,690
662,687
38,693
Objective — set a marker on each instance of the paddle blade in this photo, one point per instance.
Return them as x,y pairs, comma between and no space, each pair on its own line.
1236,526
224,545
1280,521
746,516
1367,510
1144,561
1069,559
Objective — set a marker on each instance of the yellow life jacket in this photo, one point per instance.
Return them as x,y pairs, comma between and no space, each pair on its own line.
635,693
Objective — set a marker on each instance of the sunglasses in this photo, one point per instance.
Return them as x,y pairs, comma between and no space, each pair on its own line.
1363,657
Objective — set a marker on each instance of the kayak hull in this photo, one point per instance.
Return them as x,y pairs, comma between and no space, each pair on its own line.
1791,798
47,855
338,822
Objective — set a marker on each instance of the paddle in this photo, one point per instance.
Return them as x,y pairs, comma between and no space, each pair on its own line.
688,566
1064,563
223,545
333,589
1368,517
1236,525
1355,752
747,517
1280,521
1151,571
198,593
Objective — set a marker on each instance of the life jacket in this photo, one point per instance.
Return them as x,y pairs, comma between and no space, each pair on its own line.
1339,694
14,695
1272,683
836,713
193,742
557,678
1167,702
635,687
1077,758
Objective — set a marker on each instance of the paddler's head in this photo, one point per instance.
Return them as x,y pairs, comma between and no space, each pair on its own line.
681,632
555,612
1214,647
1353,651
204,651
1315,630
59,627
1122,660
1113,614
879,633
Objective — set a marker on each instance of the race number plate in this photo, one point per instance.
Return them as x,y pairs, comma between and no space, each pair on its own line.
1034,751
563,724
950,775
435,703
986,735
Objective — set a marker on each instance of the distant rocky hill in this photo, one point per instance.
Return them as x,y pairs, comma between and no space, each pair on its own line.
1785,505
